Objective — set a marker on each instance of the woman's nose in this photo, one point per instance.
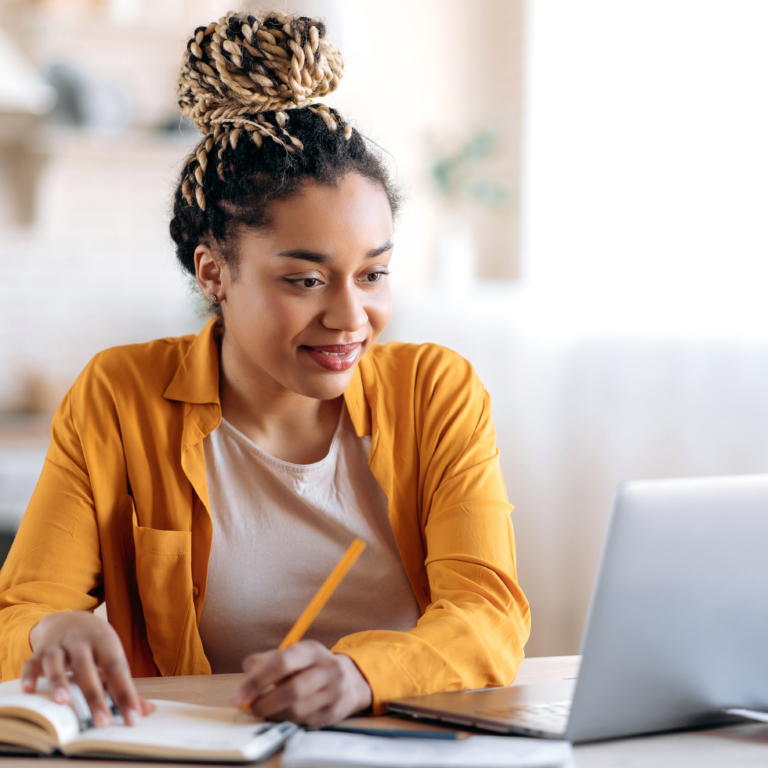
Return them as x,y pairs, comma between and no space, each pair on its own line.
345,311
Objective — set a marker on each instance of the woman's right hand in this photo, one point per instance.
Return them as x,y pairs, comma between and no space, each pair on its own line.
89,647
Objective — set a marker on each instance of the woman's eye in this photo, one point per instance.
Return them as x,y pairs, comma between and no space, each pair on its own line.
375,277
303,282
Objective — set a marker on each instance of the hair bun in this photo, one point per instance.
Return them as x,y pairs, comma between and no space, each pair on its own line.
243,65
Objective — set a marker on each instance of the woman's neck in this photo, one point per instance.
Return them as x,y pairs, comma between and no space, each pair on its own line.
288,426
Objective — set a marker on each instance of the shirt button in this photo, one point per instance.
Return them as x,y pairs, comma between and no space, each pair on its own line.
195,591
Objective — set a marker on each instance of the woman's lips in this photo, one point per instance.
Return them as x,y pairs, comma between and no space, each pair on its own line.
335,357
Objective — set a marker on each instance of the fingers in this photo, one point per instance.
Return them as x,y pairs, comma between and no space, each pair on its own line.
313,710
90,648
305,684
297,697
327,716
268,669
117,676
54,668
87,677
30,672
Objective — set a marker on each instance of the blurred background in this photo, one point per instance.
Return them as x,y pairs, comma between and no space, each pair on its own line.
587,187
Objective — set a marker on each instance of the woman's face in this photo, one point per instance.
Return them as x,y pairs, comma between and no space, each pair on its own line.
310,293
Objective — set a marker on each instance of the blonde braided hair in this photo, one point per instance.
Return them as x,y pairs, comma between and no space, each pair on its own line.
250,85
241,75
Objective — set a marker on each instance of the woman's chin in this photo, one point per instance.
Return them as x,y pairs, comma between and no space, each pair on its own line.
322,384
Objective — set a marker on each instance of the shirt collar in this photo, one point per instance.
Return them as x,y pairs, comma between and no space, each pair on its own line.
357,404
197,380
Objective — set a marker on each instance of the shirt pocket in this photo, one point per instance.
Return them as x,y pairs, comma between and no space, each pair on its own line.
164,579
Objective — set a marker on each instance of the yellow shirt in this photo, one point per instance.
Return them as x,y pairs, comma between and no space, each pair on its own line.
121,513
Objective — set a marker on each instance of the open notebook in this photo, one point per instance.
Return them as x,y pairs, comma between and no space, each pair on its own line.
176,731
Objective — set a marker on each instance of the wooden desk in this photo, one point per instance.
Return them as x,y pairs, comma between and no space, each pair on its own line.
740,745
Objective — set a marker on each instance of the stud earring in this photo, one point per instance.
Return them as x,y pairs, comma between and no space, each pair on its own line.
213,298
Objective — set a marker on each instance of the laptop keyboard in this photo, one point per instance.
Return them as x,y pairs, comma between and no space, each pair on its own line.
552,716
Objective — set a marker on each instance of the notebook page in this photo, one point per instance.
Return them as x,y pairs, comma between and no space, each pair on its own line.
178,730
321,749
59,721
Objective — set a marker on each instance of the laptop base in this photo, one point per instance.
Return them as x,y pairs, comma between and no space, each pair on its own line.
540,710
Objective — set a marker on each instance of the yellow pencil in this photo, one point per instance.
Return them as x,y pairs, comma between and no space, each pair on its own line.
318,601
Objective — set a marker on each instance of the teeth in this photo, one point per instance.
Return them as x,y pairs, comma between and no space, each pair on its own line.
340,354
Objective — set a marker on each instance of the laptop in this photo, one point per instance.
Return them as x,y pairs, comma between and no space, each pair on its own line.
677,629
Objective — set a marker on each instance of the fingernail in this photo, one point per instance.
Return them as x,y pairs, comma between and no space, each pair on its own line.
238,698
102,719
28,685
132,717
60,695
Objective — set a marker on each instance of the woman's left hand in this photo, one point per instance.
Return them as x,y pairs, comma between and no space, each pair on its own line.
305,683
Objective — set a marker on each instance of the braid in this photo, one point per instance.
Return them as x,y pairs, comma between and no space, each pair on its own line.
250,84
239,68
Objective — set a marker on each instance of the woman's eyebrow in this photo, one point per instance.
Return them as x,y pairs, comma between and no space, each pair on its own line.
322,258
388,246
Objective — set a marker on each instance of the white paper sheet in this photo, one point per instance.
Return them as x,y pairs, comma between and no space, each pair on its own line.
321,749
752,714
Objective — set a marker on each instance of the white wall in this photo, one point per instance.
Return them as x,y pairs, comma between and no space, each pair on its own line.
647,164
637,343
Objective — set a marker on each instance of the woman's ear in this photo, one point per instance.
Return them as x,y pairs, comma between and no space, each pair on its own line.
208,273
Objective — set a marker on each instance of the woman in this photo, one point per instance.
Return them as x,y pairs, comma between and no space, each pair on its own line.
204,486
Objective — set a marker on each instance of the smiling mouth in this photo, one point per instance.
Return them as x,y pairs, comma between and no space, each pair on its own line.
334,357
338,349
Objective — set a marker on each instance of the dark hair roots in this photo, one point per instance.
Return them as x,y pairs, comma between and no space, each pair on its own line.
242,181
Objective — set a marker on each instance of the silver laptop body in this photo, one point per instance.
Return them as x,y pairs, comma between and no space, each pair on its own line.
677,629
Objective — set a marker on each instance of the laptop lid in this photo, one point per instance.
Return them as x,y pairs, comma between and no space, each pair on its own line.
678,620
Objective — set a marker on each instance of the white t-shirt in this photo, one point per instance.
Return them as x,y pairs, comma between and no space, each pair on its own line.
278,531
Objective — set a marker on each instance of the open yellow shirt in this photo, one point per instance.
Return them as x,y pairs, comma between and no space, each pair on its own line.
121,513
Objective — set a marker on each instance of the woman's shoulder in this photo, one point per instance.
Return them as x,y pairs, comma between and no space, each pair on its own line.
422,369
425,360
147,367
429,387
167,352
